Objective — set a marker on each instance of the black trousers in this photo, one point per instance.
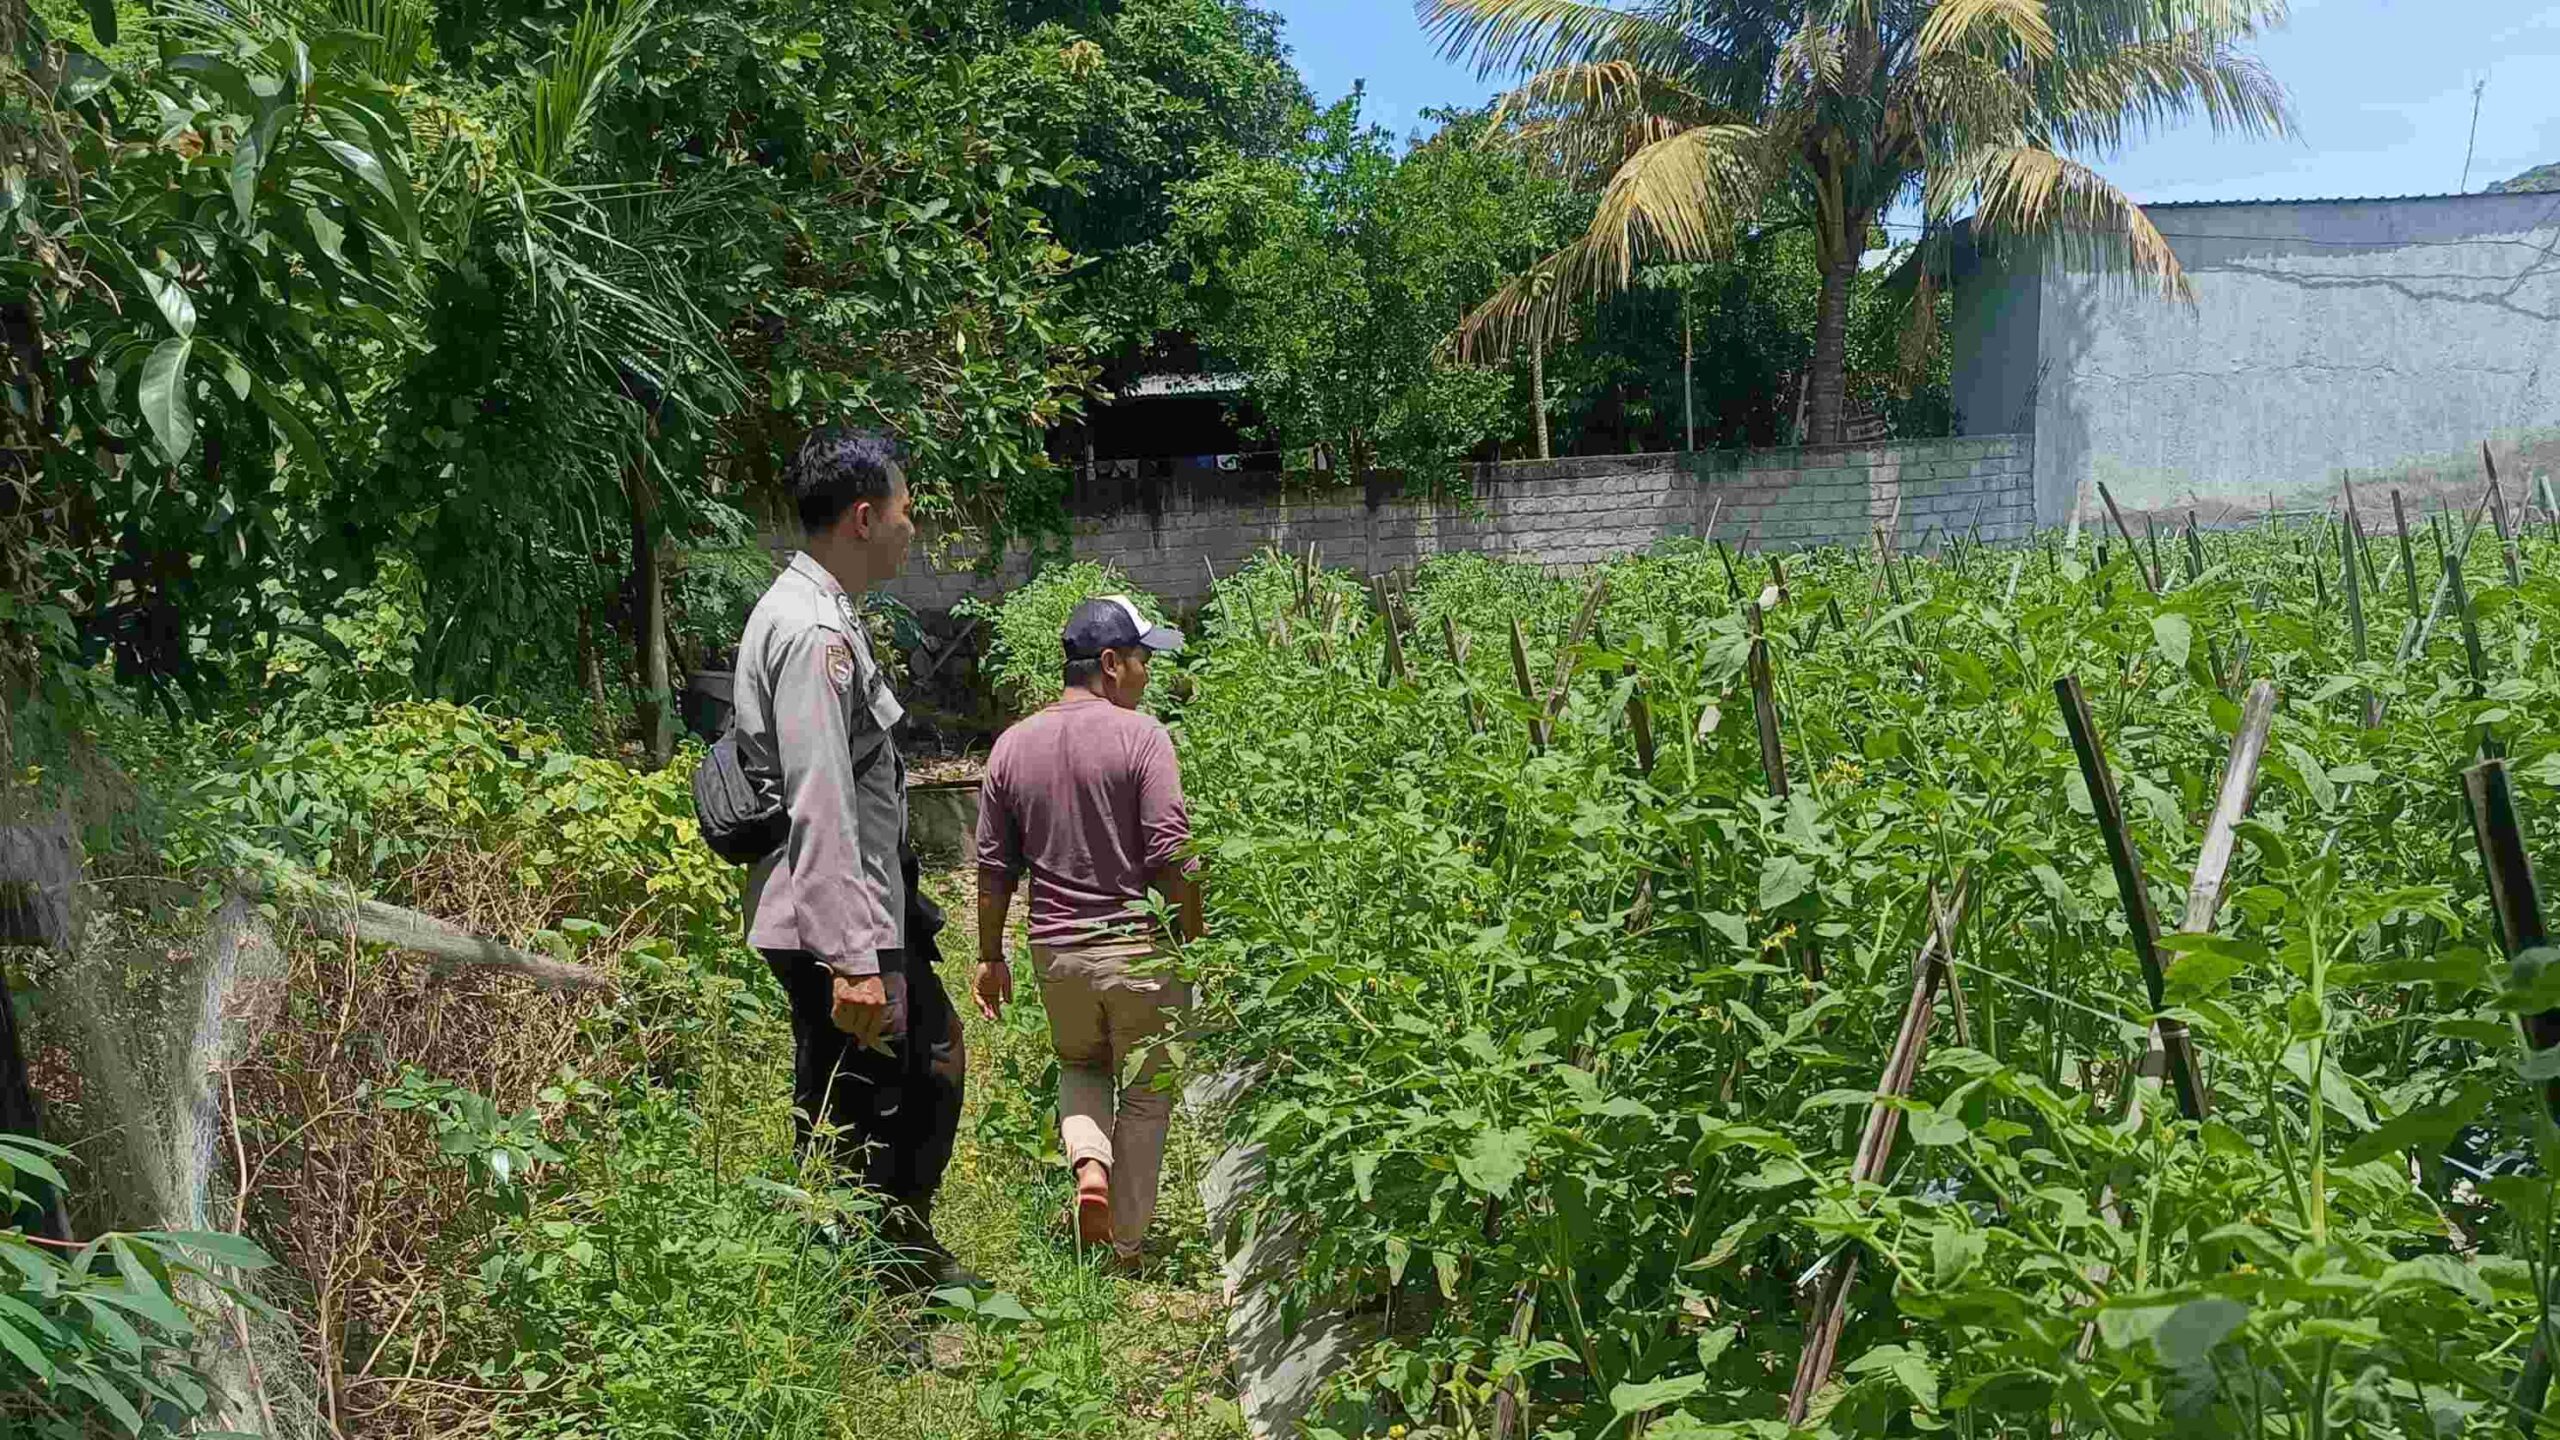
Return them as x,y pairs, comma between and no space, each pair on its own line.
891,1121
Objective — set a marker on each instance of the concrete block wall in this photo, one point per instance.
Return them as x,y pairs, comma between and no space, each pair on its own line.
1799,498
1567,513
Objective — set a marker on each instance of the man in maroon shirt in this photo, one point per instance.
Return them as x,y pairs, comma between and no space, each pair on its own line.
1086,798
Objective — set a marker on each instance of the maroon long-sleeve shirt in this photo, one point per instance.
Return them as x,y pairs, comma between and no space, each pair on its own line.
1087,799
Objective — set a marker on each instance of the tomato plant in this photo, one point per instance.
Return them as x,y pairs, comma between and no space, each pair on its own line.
1561,1062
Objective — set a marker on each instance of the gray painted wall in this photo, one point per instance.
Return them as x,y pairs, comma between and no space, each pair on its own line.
1575,512
2383,337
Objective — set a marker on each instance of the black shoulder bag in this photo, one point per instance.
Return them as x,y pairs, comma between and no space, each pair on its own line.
736,822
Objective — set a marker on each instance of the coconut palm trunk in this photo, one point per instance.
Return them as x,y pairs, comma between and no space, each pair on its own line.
1827,399
1538,392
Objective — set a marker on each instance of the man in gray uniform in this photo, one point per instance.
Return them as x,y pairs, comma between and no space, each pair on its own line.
876,1056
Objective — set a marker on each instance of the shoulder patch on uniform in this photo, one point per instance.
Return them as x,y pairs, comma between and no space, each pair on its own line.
840,664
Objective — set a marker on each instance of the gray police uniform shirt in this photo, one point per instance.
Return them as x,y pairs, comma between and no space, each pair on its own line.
814,717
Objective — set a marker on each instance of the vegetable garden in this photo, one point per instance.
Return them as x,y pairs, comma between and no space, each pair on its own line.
1714,990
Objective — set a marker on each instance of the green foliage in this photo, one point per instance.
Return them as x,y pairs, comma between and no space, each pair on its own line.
1331,274
1023,659
100,1338
1530,1024
1148,95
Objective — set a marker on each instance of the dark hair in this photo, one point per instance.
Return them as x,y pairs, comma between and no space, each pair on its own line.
837,469
1081,672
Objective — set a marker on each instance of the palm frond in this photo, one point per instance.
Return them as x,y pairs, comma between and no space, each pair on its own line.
2028,191
2101,101
560,105
1681,198
1515,36
1998,25
1584,121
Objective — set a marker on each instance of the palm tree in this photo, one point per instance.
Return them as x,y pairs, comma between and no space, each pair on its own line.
1698,118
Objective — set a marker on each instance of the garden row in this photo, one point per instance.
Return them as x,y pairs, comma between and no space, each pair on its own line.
1712,995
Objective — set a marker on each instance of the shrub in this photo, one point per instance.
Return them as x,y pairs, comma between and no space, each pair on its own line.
1023,658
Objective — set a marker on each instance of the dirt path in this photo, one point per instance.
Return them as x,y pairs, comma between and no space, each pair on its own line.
1101,1354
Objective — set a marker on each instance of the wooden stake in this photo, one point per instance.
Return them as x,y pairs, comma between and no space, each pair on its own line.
1571,654
1528,687
1458,662
2148,579
2131,886
2498,510
1929,970
1397,670
1764,704
2408,556
2516,900
1640,719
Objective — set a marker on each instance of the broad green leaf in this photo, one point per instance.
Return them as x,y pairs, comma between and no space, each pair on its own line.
2315,777
2123,1325
165,403
362,164
2442,1270
1782,878
1954,1253
171,299
102,20
2175,637
1364,1173
1935,1127
24,1351
2424,1125
1653,1395
1495,1161
2192,1331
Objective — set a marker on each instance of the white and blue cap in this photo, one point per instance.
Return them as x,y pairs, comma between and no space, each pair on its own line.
1112,622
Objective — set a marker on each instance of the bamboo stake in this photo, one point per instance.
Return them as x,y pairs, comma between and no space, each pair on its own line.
1640,718
1571,654
1528,688
1875,1148
2408,556
2516,899
2355,528
2498,510
1458,662
1764,704
2148,579
2131,886
2354,575
1397,670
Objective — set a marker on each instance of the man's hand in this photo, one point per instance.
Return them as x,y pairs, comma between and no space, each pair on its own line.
994,987
862,1009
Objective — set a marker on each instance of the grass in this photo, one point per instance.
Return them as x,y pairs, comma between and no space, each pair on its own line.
1104,1354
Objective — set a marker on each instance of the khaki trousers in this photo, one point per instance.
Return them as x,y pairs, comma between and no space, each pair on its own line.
1100,1017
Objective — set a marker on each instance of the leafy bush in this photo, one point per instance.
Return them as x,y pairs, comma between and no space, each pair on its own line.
1023,660
1552,1040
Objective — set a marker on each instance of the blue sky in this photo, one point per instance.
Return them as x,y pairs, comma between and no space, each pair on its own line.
2381,88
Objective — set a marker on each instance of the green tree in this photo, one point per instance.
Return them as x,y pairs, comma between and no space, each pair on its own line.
1694,118
1148,95
1332,275
202,246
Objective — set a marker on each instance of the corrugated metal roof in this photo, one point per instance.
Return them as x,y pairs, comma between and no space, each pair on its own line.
2337,200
